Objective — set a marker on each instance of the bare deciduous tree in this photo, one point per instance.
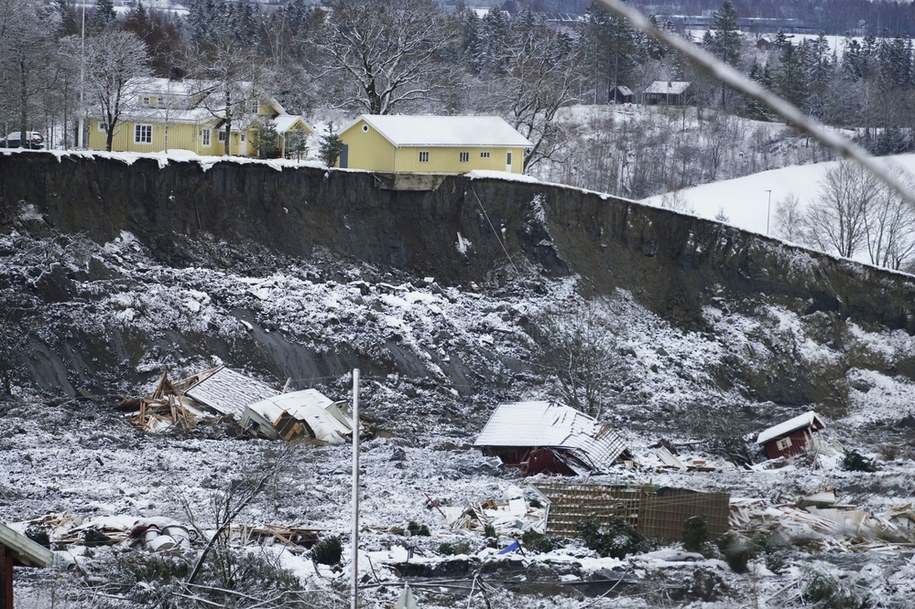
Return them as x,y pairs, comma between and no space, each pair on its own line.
116,62
890,229
789,219
385,53
540,79
26,43
229,81
836,220
579,348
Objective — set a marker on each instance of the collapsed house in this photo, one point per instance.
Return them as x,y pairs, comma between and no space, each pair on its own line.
256,406
300,415
545,437
653,511
791,437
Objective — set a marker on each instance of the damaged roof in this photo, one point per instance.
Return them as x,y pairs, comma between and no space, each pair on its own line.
229,392
808,419
550,425
22,550
323,418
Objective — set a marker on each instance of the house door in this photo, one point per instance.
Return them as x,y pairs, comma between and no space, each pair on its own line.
508,162
243,144
344,156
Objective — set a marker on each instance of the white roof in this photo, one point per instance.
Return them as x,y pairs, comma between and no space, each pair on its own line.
285,122
451,131
549,425
309,406
228,392
24,551
783,429
673,87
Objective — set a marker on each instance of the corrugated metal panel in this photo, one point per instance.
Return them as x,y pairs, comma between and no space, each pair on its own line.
229,392
546,424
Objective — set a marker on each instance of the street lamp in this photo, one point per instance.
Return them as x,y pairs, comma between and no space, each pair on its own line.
768,210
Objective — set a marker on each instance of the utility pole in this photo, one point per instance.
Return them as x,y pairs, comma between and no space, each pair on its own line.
355,530
82,77
768,210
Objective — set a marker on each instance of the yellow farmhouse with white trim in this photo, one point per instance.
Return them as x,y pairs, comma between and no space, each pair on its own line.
432,144
163,114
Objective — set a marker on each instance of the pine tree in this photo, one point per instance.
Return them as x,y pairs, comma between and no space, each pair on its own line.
331,146
102,16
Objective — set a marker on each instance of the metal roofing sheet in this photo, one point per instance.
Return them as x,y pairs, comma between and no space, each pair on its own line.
229,392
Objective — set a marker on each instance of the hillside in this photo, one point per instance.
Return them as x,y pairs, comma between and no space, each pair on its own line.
113,271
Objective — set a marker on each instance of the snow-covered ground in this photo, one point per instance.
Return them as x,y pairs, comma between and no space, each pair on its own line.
745,201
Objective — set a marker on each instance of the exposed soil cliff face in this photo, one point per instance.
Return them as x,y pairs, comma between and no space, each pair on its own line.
673,261
469,231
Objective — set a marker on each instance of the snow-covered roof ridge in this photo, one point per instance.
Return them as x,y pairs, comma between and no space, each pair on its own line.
546,424
668,86
431,130
807,419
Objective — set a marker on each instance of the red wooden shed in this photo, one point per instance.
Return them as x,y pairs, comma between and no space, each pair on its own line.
18,550
791,437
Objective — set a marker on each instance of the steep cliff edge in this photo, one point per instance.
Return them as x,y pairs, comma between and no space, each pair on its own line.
490,235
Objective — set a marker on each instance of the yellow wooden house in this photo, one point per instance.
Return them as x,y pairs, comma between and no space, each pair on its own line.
162,114
432,144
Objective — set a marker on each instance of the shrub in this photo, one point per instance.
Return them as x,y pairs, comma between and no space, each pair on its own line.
538,542
695,534
447,549
617,538
327,551
418,530
489,531
823,591
856,462
737,550
535,503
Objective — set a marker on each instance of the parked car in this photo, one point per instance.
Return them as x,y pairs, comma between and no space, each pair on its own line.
33,140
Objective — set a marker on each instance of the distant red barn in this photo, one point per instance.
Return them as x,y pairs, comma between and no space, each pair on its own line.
793,437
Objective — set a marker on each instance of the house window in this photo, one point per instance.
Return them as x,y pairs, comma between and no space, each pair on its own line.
102,126
783,443
254,106
221,135
365,128
142,134
243,137
423,156
484,155
160,101
146,100
205,136
464,157
508,158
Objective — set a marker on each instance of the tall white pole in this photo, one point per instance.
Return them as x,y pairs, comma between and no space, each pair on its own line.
355,532
768,210
82,76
